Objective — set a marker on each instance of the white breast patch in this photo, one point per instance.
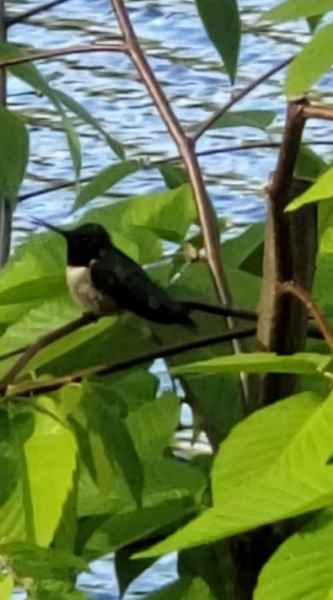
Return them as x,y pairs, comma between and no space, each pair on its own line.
81,289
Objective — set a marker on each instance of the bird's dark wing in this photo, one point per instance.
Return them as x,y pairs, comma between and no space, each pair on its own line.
129,286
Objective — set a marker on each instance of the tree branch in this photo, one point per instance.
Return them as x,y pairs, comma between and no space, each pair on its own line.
42,342
53,53
238,97
290,287
186,150
225,150
25,389
290,249
318,112
14,20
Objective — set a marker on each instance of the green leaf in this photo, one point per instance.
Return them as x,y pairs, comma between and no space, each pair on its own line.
129,526
6,586
319,191
259,362
296,9
105,179
314,60
111,443
302,567
46,456
14,154
128,570
274,465
183,589
313,22
259,119
29,74
309,165
8,459
28,560
239,250
87,117
173,176
168,214
151,435
222,22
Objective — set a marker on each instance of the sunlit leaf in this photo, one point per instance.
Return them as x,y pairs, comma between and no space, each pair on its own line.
302,566
259,362
46,458
169,214
320,190
14,153
312,62
105,179
222,22
296,9
87,117
274,465
6,586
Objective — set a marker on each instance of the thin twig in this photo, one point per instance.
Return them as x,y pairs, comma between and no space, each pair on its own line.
109,369
290,287
239,96
186,150
53,188
14,20
42,342
318,112
170,159
56,52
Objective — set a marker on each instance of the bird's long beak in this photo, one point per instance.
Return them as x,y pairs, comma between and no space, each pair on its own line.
38,221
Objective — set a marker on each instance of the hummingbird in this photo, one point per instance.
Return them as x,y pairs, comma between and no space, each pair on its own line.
103,280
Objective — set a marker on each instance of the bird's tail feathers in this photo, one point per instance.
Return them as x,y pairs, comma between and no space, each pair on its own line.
224,311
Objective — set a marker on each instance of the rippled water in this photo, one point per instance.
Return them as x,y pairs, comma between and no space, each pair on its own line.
191,74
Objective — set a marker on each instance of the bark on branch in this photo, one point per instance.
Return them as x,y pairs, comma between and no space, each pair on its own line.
290,250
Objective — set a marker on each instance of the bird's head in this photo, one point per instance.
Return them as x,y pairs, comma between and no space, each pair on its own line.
84,243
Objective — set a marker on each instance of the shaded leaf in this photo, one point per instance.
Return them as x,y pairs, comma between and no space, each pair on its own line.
309,165
30,75
259,119
28,560
173,176
222,22
112,446
105,179
14,154
311,63
183,589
